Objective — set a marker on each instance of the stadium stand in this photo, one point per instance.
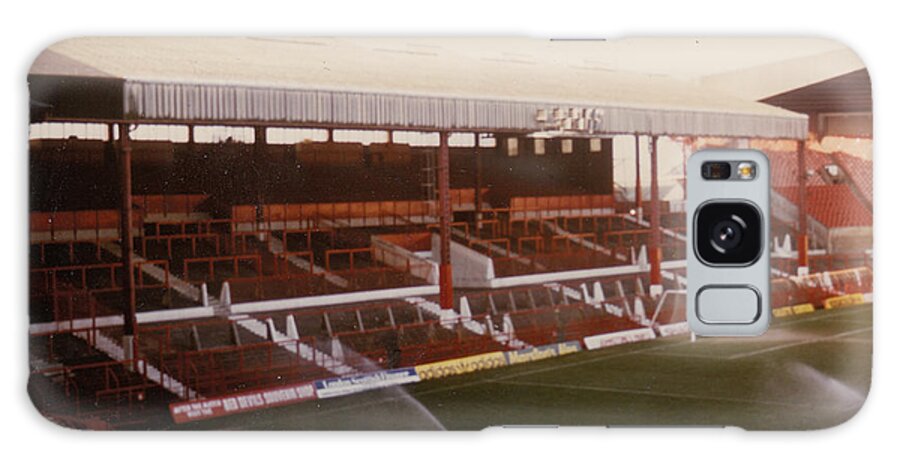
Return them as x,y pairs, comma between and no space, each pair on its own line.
297,250
91,390
835,206
262,263
784,168
860,172
671,310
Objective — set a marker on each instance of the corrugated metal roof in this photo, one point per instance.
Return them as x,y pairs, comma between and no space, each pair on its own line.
423,84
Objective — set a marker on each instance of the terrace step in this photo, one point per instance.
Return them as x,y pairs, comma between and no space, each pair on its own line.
496,250
449,318
679,280
43,365
597,299
309,353
646,224
276,246
557,230
115,351
184,288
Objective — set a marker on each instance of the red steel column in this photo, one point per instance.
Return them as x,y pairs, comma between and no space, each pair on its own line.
446,215
127,238
655,251
191,152
259,156
190,141
802,233
478,168
110,155
638,194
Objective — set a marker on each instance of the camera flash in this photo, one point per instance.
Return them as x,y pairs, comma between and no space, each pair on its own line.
746,170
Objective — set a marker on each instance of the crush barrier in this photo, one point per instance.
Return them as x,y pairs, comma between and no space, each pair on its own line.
99,276
72,248
216,266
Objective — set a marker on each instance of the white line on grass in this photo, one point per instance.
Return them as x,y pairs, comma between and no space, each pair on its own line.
860,341
686,355
830,316
800,343
630,391
849,320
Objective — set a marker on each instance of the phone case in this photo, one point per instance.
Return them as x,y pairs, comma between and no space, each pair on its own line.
411,233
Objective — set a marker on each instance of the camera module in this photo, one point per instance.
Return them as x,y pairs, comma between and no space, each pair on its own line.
728,233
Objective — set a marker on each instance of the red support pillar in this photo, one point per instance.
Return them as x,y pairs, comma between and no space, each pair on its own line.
192,164
127,239
638,194
446,216
110,156
655,250
259,156
191,143
803,228
478,180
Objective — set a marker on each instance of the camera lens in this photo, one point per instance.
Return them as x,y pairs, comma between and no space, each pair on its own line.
728,233
716,170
